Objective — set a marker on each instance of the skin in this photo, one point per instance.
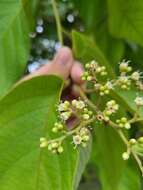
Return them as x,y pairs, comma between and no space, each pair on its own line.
62,65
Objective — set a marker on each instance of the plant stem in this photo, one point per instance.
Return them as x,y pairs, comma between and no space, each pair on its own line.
58,22
73,131
126,142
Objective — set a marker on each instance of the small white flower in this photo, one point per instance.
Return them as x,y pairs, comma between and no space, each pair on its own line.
77,139
63,106
109,85
124,66
65,115
78,104
135,76
139,101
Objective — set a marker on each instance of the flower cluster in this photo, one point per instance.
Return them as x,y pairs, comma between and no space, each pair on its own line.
80,133
84,111
53,146
111,108
82,137
123,123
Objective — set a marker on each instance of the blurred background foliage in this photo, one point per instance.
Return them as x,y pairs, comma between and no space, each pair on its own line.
112,30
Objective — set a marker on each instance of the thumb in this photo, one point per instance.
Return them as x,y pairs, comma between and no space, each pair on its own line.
61,65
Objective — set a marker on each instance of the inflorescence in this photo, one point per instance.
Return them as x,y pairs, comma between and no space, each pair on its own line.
84,112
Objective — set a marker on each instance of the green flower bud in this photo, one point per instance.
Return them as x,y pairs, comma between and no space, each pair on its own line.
132,141
86,116
124,119
140,140
125,156
54,145
85,138
60,150
54,129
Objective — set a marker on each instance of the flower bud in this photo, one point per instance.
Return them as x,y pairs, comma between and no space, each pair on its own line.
60,150
125,156
86,116
140,140
132,141
54,129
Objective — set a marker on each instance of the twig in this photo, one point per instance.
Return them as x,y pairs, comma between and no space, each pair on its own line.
58,22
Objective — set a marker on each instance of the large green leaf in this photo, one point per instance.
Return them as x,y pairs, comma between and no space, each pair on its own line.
15,17
126,19
131,174
107,151
108,146
26,114
96,24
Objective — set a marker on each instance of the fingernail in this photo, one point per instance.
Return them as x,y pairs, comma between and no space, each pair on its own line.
63,56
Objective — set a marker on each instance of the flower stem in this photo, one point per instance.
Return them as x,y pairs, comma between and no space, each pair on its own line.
58,22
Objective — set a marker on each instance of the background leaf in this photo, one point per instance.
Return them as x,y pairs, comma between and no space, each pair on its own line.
26,114
126,19
95,22
15,24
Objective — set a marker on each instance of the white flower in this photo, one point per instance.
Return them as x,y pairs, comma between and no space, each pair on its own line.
109,85
139,101
135,76
78,104
77,139
65,115
63,106
124,66
112,107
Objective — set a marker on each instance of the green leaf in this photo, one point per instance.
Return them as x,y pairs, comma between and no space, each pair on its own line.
126,19
26,114
126,98
96,24
130,179
14,40
107,151
85,49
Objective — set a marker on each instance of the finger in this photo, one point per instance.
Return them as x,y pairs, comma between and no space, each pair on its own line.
61,65
76,73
